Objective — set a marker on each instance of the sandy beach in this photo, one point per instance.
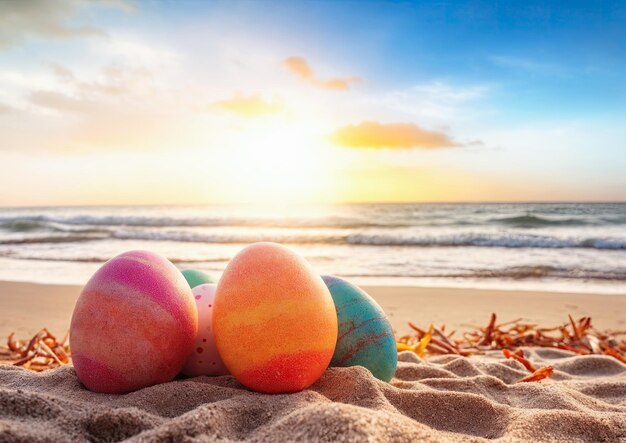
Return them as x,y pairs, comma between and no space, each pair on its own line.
27,307
446,398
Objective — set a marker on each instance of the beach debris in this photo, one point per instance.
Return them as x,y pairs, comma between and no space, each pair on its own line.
420,347
519,356
43,351
538,375
578,336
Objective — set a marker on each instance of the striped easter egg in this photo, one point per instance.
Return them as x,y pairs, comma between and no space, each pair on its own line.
134,324
365,335
274,320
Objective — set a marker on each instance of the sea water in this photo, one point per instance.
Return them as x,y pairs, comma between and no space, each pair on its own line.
556,246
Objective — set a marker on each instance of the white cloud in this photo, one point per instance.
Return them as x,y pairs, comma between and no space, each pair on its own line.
527,65
60,102
5,109
115,106
126,47
439,91
435,103
48,19
113,80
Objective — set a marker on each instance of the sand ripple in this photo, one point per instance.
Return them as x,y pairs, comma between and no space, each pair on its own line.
443,399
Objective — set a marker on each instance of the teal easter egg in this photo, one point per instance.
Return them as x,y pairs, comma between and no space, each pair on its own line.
196,278
365,335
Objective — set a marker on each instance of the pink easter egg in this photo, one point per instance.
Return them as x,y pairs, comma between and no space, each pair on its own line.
134,324
205,360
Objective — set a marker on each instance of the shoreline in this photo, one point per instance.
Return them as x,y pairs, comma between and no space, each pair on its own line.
28,307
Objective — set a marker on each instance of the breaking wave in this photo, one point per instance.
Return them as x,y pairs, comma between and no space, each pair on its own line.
483,240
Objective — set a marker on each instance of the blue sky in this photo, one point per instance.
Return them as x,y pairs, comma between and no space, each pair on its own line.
528,97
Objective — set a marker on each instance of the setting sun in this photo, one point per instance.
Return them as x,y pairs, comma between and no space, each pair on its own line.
270,162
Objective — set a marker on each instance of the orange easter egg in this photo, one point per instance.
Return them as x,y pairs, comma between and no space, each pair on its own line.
274,320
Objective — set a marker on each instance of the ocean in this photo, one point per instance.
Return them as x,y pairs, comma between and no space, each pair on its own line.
556,246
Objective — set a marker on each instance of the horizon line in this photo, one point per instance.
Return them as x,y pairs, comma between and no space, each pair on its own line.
477,202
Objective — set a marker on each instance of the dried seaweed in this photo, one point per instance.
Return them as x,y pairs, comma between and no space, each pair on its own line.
538,375
43,351
577,336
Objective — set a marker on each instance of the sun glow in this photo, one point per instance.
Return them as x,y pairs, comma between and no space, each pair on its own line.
273,163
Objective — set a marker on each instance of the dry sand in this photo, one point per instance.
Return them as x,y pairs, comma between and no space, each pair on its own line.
446,398
27,307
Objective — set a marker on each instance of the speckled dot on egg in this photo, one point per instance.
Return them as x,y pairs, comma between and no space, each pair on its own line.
211,363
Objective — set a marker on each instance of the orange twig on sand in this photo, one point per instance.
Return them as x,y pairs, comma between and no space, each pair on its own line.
614,353
435,343
490,327
42,352
519,356
424,341
420,347
574,327
13,344
538,375
576,336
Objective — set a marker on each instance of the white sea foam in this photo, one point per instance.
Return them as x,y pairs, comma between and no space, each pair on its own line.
504,243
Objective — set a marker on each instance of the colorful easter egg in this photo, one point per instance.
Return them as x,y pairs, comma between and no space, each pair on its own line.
134,324
204,360
365,335
196,278
274,320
